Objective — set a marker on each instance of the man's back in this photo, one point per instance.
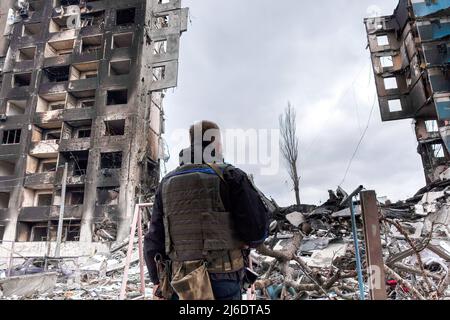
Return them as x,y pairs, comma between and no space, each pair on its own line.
195,200
198,226
207,212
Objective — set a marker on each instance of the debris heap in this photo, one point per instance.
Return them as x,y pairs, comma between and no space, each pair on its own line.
96,278
310,253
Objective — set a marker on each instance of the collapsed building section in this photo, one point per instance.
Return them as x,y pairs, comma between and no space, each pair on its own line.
410,56
83,85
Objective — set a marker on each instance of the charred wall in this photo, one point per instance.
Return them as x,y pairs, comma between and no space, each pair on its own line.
86,90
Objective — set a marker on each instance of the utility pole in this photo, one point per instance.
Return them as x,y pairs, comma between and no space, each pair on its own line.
61,213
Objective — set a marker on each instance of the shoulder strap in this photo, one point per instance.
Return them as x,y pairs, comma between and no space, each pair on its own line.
217,170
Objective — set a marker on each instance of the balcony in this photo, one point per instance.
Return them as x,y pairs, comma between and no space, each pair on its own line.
49,119
54,119
12,149
74,181
50,88
40,181
83,84
78,114
35,12
36,214
45,149
92,16
9,182
72,145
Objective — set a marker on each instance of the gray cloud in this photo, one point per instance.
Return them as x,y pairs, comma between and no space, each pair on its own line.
242,60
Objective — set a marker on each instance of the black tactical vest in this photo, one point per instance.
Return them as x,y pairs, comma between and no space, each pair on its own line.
197,225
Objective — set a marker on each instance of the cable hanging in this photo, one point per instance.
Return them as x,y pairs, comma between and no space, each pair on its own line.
359,143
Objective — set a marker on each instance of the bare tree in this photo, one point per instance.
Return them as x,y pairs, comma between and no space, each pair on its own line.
289,146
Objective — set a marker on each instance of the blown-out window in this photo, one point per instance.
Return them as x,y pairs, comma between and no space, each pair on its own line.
11,136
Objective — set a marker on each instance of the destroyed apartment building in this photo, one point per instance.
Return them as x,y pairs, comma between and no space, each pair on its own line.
83,84
355,246
410,55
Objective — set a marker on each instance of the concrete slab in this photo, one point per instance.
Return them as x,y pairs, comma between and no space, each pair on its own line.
26,286
345,213
324,258
295,218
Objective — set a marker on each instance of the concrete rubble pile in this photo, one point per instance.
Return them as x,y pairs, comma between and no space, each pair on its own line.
96,278
310,253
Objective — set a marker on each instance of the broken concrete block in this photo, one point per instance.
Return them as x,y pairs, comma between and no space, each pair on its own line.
96,264
295,218
268,260
324,258
445,245
442,216
310,245
414,230
431,197
319,212
279,246
28,285
445,175
430,260
285,236
419,210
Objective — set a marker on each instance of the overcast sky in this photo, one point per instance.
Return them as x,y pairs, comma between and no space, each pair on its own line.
241,61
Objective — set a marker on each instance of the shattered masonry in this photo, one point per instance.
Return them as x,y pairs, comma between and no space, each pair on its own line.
89,96
410,56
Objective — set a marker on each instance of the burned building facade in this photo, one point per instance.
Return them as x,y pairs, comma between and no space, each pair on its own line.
82,84
411,59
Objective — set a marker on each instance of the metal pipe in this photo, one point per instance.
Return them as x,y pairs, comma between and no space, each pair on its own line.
352,195
61,212
136,224
141,252
357,254
123,289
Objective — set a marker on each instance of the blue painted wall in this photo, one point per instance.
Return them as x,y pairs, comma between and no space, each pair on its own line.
421,9
443,110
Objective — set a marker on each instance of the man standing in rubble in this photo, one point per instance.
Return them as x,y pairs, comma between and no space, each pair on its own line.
206,215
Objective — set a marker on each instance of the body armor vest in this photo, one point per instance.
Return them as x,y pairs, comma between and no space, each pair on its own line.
197,225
